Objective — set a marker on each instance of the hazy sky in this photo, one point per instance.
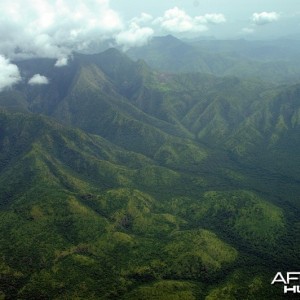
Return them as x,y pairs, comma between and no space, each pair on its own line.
273,17
56,28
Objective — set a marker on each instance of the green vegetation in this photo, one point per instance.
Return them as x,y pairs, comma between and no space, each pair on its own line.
243,284
166,290
198,254
118,182
250,217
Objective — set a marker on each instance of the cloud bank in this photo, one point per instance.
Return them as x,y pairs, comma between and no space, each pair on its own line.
264,18
134,36
54,28
9,73
38,79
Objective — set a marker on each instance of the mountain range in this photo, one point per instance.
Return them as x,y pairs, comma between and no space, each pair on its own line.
119,181
275,61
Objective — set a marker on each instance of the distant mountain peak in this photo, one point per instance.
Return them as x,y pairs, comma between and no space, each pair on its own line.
113,52
170,39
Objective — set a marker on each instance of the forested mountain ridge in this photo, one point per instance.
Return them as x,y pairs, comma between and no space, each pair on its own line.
114,88
118,181
275,61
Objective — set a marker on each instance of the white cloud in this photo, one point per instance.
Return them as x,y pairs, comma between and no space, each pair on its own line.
38,79
134,36
265,18
54,28
177,20
9,73
211,19
142,19
61,62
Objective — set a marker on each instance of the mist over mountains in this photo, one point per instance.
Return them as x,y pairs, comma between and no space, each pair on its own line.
274,61
170,171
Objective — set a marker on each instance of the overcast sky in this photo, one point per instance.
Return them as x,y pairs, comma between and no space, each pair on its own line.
56,28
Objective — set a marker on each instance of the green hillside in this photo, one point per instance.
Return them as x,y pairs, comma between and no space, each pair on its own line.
120,182
75,206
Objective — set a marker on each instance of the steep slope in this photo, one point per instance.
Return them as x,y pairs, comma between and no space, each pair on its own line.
278,124
95,106
44,98
95,93
152,113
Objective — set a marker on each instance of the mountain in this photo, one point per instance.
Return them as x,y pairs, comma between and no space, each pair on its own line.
75,206
170,54
273,61
120,182
283,49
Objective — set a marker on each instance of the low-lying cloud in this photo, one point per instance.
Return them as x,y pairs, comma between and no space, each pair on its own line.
9,73
142,19
38,79
54,29
134,36
264,18
61,62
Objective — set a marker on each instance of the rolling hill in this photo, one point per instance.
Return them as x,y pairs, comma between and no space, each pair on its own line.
117,181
